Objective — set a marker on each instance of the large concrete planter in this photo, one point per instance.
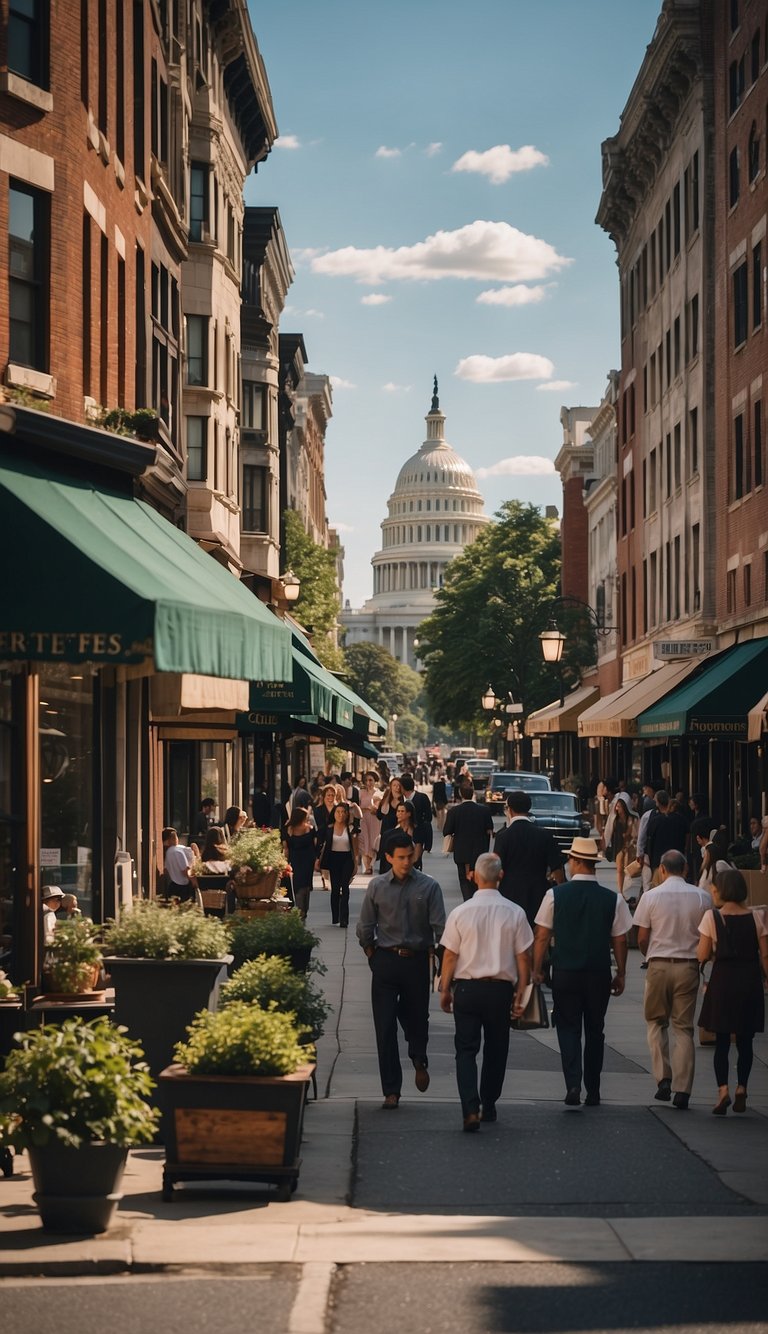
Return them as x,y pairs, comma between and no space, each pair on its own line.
234,1127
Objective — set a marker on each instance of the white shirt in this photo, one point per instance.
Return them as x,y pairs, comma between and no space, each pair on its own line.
707,925
486,933
622,917
177,861
672,911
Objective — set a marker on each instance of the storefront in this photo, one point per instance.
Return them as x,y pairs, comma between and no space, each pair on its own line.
556,728
106,597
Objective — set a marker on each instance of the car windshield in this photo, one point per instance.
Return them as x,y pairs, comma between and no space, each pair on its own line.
523,782
554,802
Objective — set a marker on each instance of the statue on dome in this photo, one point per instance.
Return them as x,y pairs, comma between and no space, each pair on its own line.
435,401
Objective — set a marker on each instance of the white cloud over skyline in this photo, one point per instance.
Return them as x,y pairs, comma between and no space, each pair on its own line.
481,250
383,151
495,370
290,141
519,295
432,150
338,382
392,388
375,299
501,162
341,527
554,386
518,465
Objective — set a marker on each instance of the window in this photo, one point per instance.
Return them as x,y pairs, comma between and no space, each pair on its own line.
757,441
693,440
678,457
757,285
119,80
652,482
28,40
692,329
730,591
733,177
695,557
653,588
254,416
28,246
197,449
676,218
676,346
753,153
735,85
740,305
691,188
755,57
198,201
734,15
255,499
139,144
747,584
676,580
197,349
103,78
738,457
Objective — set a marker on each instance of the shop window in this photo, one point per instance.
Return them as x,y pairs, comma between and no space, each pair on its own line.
27,33
66,770
28,275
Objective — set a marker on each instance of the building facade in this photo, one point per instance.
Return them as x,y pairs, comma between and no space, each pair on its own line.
574,463
600,504
434,511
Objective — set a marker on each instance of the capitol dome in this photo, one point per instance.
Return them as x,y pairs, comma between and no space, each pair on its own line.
434,511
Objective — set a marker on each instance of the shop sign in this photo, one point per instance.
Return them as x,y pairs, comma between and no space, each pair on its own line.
50,856
682,648
255,721
78,646
735,728
281,696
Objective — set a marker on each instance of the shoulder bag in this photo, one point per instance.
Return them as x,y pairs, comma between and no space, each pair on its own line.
534,1009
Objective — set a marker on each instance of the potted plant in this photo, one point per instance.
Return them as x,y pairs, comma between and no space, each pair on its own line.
266,981
258,862
8,992
236,1098
276,933
73,960
74,1096
166,964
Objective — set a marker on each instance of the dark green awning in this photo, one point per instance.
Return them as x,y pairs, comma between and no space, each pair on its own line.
716,701
102,577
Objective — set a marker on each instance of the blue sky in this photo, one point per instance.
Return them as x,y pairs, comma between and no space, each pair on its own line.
438,175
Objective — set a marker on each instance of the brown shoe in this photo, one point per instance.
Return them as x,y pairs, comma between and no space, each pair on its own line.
391,1102
740,1100
472,1122
421,1078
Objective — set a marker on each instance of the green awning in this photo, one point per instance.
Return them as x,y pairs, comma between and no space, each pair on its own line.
311,691
102,577
716,701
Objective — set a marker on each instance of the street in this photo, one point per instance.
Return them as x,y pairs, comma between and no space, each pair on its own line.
627,1216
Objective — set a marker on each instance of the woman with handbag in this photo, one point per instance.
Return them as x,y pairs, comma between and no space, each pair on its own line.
338,855
734,1001
299,845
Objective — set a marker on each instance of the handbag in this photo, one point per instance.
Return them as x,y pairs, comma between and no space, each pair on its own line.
447,844
634,869
534,1009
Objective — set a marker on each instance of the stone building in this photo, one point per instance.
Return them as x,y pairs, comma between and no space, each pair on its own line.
600,504
434,511
305,455
574,463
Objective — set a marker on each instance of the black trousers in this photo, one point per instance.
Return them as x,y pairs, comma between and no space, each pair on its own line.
481,1013
400,989
342,868
581,1000
467,887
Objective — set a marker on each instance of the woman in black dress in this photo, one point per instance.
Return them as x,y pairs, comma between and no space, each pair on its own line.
734,1000
408,824
300,847
386,813
337,854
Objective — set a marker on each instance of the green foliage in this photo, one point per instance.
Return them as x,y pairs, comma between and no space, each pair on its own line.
142,423
488,616
182,931
25,398
411,731
317,606
76,1082
243,1040
72,955
336,757
384,683
268,980
7,989
259,850
273,933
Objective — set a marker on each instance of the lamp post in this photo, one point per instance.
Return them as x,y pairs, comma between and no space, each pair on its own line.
506,707
291,587
393,720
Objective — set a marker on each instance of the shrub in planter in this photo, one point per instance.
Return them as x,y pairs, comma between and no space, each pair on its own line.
258,862
74,1095
266,981
275,933
73,959
242,1039
150,931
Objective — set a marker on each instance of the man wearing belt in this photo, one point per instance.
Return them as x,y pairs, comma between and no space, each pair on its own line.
486,960
668,920
401,920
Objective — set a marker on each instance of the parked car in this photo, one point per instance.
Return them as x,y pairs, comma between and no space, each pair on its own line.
560,814
481,772
502,783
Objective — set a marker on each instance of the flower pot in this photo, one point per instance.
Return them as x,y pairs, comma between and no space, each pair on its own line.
255,884
234,1127
77,1190
71,979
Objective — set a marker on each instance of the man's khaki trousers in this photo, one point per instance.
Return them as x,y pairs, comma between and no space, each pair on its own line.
671,990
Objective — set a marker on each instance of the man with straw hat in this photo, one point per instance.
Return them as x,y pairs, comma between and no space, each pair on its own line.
587,919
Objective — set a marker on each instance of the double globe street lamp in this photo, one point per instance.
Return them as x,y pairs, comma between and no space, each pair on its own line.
508,708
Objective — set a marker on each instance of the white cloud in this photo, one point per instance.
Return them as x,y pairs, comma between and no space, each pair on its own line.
486,251
383,151
501,162
288,141
392,388
341,527
375,299
432,150
515,366
302,254
519,465
314,314
519,295
554,386
338,382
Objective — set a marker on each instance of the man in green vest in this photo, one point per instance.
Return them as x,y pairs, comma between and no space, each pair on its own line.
586,920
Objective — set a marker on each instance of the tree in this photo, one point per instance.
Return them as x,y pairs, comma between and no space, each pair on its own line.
379,678
317,606
488,615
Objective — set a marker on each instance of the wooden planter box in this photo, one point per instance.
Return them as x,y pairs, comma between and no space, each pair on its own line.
233,1128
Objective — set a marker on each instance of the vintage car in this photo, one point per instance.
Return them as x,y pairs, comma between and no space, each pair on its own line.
560,814
502,783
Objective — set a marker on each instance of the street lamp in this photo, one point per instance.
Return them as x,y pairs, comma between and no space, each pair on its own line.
552,642
393,720
291,586
488,700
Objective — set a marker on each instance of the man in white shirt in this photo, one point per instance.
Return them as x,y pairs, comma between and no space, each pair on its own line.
178,866
668,920
485,970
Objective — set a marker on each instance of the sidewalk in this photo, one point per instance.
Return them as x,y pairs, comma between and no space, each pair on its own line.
644,1183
